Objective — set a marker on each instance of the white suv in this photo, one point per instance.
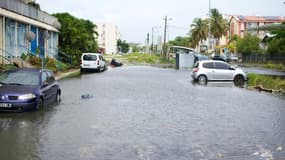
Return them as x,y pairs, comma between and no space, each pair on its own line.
92,61
209,70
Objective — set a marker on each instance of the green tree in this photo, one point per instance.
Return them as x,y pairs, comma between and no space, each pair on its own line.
180,41
199,31
123,46
248,45
276,45
76,36
219,25
34,4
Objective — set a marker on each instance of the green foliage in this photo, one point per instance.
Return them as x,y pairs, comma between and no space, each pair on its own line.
146,58
34,4
123,46
200,28
248,45
34,60
278,66
76,36
267,82
180,41
136,48
219,25
276,46
199,31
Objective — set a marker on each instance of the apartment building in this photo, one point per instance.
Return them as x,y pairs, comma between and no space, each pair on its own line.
108,36
26,29
240,24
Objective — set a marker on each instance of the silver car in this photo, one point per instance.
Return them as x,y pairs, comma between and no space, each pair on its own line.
212,70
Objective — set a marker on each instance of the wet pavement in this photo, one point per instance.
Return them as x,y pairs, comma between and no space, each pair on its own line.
147,113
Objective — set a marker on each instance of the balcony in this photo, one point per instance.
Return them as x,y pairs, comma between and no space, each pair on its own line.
29,11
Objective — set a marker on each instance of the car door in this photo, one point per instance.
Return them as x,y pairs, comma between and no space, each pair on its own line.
222,71
208,69
53,85
102,62
45,89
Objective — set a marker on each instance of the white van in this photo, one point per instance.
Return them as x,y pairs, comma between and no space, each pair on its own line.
92,61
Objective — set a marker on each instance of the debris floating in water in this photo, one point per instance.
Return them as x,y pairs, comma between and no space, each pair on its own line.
86,96
279,149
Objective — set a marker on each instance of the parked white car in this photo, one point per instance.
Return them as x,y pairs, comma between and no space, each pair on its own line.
92,61
213,70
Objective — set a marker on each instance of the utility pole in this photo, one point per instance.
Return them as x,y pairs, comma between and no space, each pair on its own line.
147,42
164,49
152,40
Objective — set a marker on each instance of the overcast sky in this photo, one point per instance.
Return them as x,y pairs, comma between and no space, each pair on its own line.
135,18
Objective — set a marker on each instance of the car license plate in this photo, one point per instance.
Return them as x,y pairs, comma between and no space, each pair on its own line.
5,105
86,64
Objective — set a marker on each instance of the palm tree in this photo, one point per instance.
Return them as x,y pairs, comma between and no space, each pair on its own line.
199,31
219,25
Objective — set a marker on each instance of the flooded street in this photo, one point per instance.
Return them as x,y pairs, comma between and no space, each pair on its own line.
147,113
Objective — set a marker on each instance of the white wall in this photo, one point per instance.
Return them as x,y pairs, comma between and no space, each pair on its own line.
108,36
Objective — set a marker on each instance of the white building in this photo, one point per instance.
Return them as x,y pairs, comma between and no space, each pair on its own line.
108,36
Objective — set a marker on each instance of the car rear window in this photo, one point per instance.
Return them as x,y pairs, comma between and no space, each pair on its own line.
90,57
209,65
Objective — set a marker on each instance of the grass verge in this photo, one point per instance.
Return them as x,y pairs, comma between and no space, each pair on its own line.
147,58
274,83
269,65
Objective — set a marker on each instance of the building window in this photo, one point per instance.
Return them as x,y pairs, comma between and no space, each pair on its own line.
10,38
21,45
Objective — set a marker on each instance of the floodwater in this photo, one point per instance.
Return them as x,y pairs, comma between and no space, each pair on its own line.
147,113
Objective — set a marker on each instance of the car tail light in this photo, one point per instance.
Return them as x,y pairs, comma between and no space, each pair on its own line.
97,62
195,69
80,61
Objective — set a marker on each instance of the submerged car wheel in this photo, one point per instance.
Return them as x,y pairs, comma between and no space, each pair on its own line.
57,97
202,79
40,104
239,80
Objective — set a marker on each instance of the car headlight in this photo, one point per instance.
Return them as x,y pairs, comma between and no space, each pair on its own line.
27,96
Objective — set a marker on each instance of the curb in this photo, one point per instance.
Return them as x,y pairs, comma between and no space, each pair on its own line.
63,75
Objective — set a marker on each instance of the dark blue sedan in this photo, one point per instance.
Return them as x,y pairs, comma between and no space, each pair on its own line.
27,88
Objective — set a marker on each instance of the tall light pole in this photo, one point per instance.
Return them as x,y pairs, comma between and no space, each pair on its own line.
164,49
209,34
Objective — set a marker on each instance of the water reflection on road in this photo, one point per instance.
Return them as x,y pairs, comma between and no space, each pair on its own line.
148,113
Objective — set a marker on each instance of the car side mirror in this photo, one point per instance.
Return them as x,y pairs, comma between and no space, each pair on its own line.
232,68
45,84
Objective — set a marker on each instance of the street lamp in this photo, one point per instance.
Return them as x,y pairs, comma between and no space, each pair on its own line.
164,40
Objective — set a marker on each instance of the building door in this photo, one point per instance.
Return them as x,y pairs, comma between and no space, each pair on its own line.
35,41
41,42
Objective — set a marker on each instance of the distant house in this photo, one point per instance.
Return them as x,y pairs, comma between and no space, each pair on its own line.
26,29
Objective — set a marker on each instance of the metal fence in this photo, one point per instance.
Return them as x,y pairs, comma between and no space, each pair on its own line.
29,11
261,58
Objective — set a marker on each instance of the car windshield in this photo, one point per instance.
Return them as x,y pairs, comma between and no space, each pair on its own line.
19,78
